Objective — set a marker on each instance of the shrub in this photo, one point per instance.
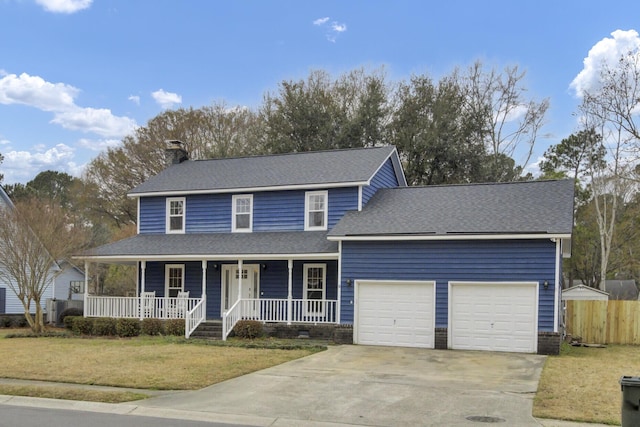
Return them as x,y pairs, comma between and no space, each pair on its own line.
151,327
82,325
68,322
72,311
174,327
248,329
104,326
19,322
5,322
128,327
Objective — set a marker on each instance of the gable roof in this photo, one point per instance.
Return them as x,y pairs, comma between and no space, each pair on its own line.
311,169
582,292
532,207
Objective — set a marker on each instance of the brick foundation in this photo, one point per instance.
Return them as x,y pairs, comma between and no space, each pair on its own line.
549,343
340,334
441,338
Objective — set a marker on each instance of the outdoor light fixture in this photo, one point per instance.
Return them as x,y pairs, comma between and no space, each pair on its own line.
546,284
215,266
349,282
264,266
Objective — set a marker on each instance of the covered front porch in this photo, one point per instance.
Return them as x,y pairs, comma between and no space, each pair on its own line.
288,277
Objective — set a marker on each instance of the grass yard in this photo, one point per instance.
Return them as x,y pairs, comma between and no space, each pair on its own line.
582,384
156,363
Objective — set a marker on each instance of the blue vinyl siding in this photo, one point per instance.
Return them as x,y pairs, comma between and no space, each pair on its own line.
278,211
384,178
272,211
487,260
152,215
209,213
341,200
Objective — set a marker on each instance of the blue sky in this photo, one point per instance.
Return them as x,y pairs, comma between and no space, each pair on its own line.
78,75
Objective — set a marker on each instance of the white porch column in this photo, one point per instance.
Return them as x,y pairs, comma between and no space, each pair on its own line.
290,290
86,286
204,288
239,279
143,273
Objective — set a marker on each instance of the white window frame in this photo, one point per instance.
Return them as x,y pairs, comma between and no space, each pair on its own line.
309,307
169,216
307,209
235,213
167,268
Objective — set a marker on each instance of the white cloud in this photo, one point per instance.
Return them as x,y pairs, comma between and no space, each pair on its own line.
59,98
338,28
99,121
21,166
36,92
64,6
321,21
166,99
604,53
99,145
135,99
333,29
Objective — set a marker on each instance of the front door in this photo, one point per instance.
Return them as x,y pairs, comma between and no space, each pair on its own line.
233,288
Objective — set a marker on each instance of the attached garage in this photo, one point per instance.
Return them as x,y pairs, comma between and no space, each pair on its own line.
395,313
500,316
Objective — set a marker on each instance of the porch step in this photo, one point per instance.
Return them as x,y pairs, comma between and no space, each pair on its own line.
208,330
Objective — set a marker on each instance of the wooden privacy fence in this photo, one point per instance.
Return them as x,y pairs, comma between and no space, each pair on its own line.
604,322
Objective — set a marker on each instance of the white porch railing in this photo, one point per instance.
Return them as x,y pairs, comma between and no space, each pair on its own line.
194,317
141,308
279,310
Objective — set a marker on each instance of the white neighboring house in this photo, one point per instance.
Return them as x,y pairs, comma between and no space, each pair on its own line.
69,285
9,302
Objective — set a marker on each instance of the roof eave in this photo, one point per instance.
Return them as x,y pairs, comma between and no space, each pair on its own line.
470,236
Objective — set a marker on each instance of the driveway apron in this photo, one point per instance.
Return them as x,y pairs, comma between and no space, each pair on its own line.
378,386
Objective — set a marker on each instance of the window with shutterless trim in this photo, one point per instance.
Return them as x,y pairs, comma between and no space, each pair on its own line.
315,210
242,207
175,215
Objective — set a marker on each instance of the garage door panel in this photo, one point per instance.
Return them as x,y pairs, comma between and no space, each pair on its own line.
396,314
493,316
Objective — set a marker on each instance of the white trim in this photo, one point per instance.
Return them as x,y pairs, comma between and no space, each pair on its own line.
305,289
168,215
167,267
360,198
234,213
488,283
339,296
396,237
556,293
251,189
356,298
309,194
253,270
138,216
210,257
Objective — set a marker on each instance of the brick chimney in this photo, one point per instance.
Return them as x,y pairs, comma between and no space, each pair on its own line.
175,152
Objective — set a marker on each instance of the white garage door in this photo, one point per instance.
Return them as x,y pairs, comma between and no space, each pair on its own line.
493,316
395,313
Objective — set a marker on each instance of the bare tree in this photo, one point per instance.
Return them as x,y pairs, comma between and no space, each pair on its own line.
34,234
507,122
612,107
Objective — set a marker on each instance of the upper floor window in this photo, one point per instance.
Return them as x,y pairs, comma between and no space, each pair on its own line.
175,214
315,210
242,213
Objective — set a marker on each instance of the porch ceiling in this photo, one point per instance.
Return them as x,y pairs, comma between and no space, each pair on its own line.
210,246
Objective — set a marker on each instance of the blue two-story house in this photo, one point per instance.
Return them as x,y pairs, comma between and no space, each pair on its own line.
337,237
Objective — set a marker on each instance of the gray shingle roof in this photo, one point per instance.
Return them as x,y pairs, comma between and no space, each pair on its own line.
294,169
217,244
518,207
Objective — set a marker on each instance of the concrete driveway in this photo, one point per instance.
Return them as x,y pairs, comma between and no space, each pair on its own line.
374,386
